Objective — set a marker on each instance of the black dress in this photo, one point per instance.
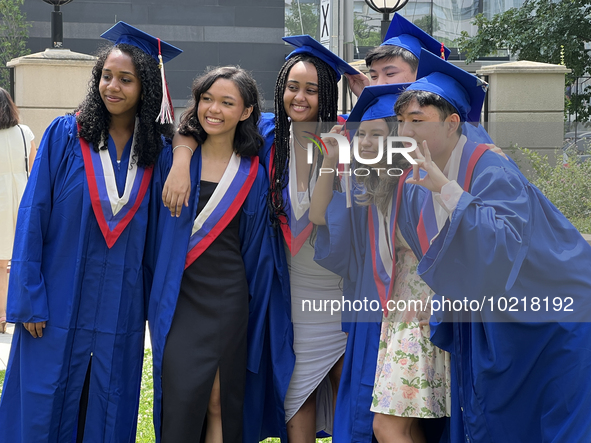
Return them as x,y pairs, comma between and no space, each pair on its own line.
208,332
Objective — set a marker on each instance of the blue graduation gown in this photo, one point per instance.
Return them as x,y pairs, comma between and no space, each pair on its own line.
265,391
518,376
166,251
343,247
280,367
91,297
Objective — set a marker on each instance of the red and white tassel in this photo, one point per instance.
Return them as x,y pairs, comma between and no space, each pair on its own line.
442,51
166,110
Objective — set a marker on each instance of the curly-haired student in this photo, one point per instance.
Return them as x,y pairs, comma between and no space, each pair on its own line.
76,290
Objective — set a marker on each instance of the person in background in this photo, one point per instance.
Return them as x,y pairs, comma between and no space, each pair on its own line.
16,160
76,290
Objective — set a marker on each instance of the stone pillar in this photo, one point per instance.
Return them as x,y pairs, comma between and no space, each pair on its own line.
526,105
49,84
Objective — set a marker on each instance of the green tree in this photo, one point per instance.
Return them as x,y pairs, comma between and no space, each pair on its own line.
13,36
365,34
425,24
310,19
540,31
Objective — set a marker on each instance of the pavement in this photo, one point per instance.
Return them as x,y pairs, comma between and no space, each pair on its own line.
6,340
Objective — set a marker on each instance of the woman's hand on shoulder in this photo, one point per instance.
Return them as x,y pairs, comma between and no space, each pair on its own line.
177,189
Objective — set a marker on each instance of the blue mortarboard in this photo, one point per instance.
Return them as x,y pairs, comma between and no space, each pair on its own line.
161,51
462,90
306,44
376,102
124,33
409,36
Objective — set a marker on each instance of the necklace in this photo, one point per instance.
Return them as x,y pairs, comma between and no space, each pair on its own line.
300,143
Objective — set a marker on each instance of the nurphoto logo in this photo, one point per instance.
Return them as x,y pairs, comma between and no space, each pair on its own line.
394,145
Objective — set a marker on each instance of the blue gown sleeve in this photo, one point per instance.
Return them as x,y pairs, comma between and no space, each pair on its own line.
27,297
259,265
266,128
161,169
338,244
487,238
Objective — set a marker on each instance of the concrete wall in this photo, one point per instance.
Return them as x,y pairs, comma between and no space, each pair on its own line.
526,105
49,84
210,32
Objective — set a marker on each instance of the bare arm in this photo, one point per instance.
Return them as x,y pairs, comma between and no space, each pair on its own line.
177,187
322,194
32,154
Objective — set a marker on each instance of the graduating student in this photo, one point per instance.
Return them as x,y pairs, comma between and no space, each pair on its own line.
211,266
397,58
488,235
372,247
396,61
305,102
76,287
304,390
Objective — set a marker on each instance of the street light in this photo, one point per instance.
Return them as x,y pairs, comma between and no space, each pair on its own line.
386,7
57,29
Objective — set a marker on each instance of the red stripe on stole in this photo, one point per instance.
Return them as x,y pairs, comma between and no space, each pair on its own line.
296,243
283,222
293,246
194,253
478,151
110,236
422,234
421,231
115,233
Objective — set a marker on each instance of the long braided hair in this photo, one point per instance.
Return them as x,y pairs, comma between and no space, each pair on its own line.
327,113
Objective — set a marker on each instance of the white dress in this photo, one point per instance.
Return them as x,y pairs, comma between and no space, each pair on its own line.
13,179
319,341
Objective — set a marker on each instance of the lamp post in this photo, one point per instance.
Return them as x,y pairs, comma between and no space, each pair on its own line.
57,28
386,7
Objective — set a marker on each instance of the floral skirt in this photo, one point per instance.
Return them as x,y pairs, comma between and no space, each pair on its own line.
412,376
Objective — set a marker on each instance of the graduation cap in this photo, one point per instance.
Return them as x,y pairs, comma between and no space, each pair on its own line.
462,90
376,102
305,44
409,36
162,52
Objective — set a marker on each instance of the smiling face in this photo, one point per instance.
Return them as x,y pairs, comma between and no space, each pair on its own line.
221,108
387,71
300,97
369,134
120,87
424,123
